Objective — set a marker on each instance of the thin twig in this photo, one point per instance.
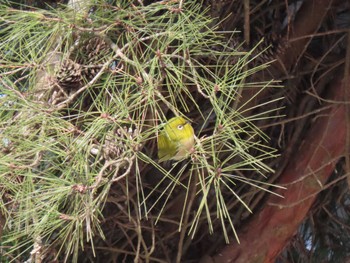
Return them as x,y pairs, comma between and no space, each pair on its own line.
194,73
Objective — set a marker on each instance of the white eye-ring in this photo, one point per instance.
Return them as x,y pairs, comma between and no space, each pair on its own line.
180,127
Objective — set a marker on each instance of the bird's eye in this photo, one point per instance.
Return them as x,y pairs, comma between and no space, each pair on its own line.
180,127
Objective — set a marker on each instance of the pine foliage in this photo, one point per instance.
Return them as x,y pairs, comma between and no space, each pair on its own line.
83,98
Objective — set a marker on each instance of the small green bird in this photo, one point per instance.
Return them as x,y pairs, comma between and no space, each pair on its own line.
176,140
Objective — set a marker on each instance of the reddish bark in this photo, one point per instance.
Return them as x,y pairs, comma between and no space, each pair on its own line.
267,234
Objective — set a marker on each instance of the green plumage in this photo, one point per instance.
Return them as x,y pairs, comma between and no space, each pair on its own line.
175,140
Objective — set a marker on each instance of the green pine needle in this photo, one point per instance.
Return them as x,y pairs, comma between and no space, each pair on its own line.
69,154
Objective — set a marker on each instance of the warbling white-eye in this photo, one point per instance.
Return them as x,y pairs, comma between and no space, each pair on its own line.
176,140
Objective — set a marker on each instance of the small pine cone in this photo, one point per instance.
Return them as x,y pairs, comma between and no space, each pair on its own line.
69,74
89,72
119,142
96,50
273,45
91,55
